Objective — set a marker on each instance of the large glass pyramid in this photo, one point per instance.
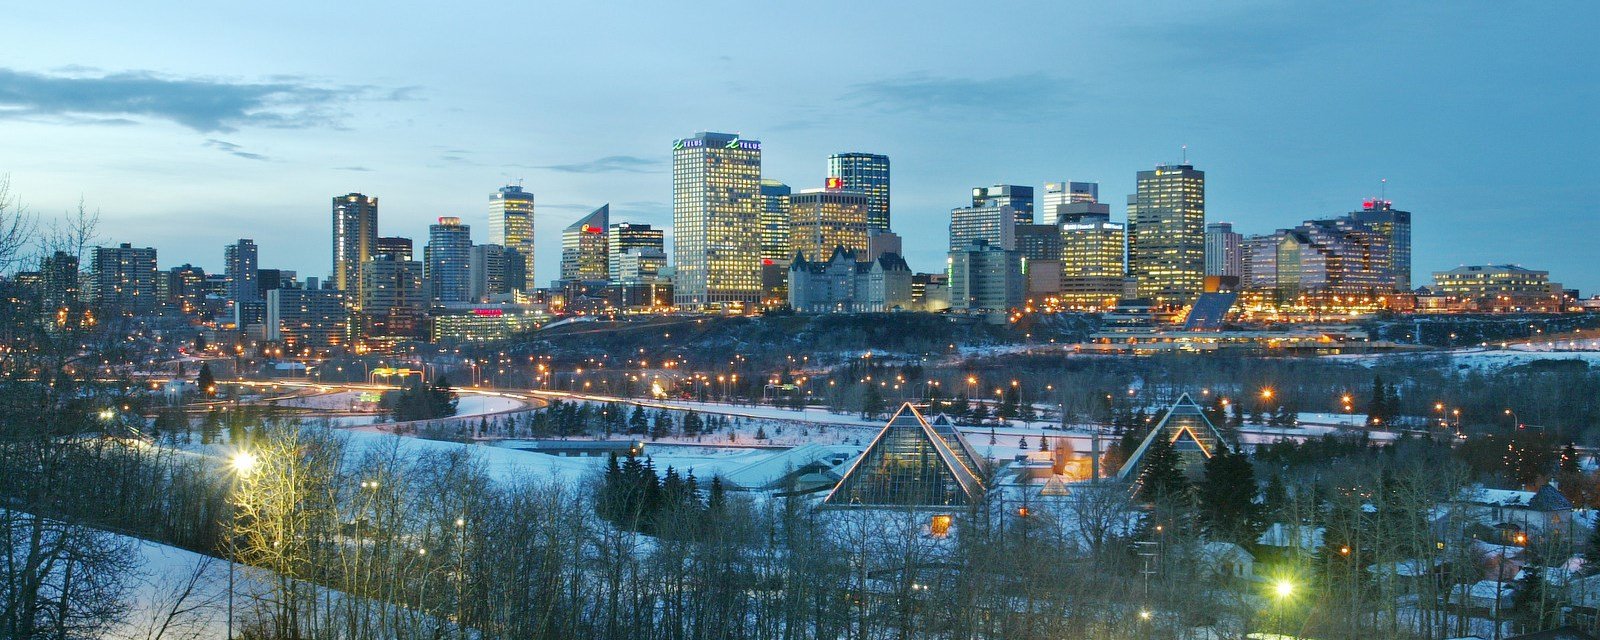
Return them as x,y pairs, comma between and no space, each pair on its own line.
1189,431
912,464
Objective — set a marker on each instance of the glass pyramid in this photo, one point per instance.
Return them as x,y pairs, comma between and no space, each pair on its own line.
912,464
1185,425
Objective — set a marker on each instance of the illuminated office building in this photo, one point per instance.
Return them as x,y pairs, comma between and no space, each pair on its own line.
583,248
1499,288
493,270
1395,225
821,220
866,173
307,319
239,264
716,218
1167,234
1092,268
511,225
1039,241
775,222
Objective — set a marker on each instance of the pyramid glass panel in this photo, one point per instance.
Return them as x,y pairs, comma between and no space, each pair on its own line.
908,465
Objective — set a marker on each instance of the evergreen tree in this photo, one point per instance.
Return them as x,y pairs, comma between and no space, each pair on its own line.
1022,443
662,427
1378,405
692,424
1237,420
1533,606
761,433
1161,474
871,403
205,381
1227,499
638,423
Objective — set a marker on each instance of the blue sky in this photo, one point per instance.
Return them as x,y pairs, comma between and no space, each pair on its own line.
188,127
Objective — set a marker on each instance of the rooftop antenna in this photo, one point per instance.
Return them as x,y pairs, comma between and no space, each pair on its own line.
1185,154
1383,188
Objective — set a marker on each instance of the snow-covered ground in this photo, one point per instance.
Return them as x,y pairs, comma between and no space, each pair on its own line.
1486,359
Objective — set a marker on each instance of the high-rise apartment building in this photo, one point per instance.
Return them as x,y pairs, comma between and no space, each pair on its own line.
583,248
866,173
511,225
627,237
1092,267
125,278
775,222
716,218
355,237
1395,225
821,220
1058,194
58,276
1223,250
1167,234
184,287
446,260
239,265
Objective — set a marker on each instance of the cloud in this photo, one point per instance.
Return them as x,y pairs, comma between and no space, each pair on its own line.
352,168
999,96
1239,39
233,149
608,164
206,105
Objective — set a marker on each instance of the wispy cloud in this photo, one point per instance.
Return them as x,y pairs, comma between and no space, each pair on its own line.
206,105
353,168
998,96
233,149
608,164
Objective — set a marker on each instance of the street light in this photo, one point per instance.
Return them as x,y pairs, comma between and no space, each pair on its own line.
244,462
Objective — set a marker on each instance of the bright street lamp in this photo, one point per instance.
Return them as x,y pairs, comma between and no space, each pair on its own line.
244,462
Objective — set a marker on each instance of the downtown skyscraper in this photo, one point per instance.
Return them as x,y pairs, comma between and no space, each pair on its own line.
511,225
716,218
355,239
993,217
775,247
1167,234
583,248
447,260
866,173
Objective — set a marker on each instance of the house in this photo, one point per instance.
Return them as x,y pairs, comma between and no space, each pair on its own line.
1226,561
1514,515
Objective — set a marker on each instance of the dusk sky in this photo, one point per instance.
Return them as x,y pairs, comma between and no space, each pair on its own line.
188,127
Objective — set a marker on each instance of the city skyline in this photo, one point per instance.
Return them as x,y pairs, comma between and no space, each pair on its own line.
1254,75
